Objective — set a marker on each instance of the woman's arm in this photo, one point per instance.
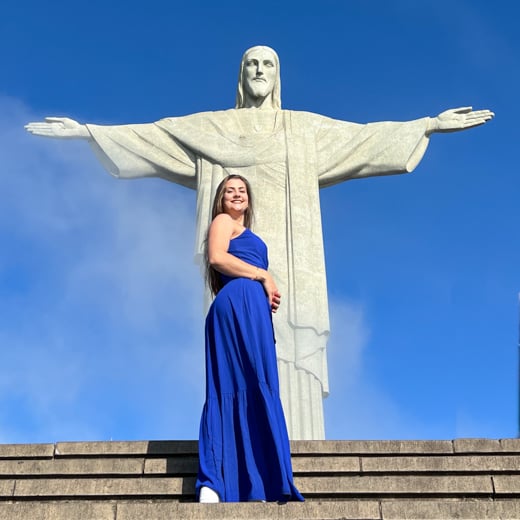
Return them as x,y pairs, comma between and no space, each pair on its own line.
220,234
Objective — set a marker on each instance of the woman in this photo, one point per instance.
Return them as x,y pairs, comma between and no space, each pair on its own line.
243,444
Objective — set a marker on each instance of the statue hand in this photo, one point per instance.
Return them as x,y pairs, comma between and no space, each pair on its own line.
457,119
59,127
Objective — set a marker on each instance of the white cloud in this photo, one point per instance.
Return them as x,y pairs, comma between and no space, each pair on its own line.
101,304
358,406
349,337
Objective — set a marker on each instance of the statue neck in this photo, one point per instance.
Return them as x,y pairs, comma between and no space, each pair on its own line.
261,103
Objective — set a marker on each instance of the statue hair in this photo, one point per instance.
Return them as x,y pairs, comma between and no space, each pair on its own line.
276,96
213,278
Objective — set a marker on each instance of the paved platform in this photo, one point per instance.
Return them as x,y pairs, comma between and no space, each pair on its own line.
347,480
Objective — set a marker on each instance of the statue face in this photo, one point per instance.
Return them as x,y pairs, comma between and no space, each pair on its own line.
259,73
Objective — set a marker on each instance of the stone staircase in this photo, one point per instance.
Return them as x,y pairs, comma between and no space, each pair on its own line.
362,480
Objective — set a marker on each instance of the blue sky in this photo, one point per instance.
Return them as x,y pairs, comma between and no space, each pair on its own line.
100,302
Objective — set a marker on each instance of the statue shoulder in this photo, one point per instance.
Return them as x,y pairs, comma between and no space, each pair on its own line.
317,123
310,117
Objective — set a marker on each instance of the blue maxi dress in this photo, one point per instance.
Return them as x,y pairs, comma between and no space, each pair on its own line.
244,452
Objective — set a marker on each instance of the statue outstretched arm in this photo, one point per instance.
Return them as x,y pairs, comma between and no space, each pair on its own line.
386,147
456,119
59,128
127,151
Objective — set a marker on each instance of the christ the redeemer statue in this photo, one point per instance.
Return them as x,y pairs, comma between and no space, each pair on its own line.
286,156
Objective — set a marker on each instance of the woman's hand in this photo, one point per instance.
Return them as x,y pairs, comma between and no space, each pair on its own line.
275,302
273,294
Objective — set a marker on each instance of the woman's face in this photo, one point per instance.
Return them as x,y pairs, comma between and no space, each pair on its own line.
236,200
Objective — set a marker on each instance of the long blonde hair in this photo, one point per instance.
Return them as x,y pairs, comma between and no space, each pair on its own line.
213,278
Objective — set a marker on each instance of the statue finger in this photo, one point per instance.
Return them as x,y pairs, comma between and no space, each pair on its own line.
37,127
55,119
463,110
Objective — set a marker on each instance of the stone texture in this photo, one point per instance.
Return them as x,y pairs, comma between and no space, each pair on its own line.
171,466
173,448
22,451
364,447
101,448
7,488
359,510
38,467
510,445
102,487
440,509
507,484
336,465
465,463
476,445
394,485
150,448
57,511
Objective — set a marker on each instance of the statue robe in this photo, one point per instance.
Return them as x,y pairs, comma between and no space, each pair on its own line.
286,156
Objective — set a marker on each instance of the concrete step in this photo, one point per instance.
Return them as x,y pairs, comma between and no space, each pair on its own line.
146,480
181,489
323,510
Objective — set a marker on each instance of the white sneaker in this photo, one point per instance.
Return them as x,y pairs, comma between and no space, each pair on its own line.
208,496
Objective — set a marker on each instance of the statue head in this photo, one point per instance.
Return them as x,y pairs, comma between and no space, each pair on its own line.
259,78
